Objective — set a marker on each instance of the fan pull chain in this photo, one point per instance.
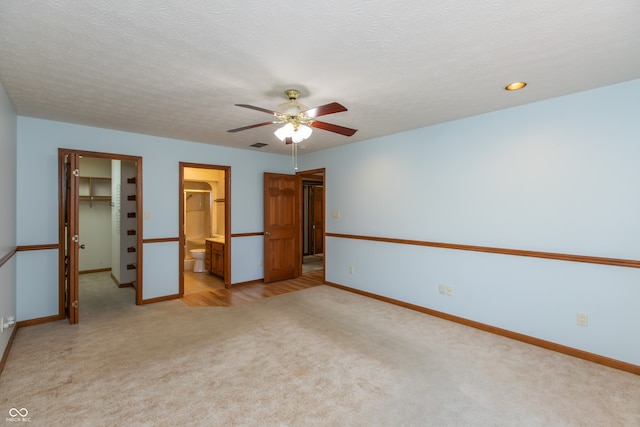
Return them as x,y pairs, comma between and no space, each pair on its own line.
294,155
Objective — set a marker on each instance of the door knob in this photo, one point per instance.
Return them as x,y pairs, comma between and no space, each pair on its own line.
267,233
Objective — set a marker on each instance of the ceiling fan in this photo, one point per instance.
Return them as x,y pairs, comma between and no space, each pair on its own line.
298,119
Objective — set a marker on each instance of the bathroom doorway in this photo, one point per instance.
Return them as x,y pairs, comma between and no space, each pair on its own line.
205,226
100,231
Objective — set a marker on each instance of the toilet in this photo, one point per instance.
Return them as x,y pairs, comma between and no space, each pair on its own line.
188,264
198,255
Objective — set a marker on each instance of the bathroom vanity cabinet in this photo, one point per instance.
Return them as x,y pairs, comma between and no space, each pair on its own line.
214,257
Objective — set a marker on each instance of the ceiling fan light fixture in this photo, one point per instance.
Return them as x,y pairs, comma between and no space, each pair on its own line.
297,135
303,132
284,132
291,108
297,121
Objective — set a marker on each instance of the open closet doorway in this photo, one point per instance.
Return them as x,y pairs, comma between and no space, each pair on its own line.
205,227
313,219
100,231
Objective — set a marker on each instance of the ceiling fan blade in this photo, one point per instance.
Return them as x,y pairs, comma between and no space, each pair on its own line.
264,110
323,110
251,126
333,128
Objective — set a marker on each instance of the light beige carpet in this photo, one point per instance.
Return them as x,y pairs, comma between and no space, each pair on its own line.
317,357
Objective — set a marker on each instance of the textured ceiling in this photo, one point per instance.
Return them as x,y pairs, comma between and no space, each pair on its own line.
176,68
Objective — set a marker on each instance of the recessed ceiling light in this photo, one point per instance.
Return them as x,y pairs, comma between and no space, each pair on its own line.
515,86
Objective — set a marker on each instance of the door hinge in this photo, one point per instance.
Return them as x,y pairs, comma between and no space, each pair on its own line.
74,304
76,172
75,238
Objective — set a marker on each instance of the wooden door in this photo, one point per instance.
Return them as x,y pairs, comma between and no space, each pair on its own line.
282,227
69,237
318,220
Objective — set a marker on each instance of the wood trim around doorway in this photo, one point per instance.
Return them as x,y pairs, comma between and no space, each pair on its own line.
319,175
139,219
227,221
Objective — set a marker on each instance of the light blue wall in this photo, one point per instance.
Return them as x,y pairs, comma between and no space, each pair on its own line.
555,176
7,211
38,142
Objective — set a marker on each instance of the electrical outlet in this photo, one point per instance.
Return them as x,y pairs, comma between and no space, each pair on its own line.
441,289
582,319
11,321
449,290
